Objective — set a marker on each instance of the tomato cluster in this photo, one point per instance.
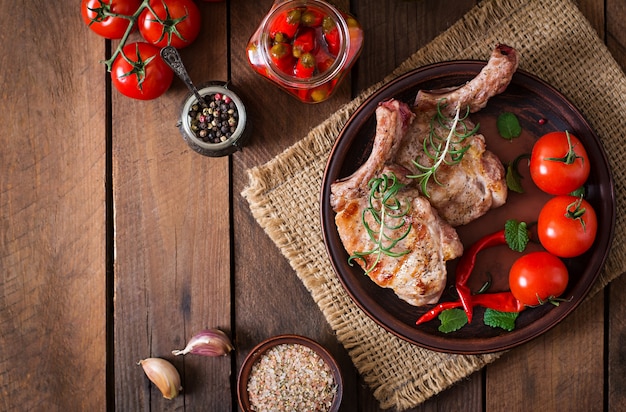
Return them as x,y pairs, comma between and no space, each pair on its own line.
137,69
559,165
567,223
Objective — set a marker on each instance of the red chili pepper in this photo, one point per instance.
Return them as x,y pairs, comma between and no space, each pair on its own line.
466,266
324,60
437,309
305,66
331,35
282,57
287,24
312,18
500,301
304,42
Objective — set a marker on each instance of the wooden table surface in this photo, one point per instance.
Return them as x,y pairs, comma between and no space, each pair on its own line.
118,242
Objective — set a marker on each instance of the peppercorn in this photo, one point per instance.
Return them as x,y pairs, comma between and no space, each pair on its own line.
217,122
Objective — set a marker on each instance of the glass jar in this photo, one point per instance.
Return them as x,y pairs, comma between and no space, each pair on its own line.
200,126
306,47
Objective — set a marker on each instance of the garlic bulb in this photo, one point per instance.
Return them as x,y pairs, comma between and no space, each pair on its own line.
164,375
211,342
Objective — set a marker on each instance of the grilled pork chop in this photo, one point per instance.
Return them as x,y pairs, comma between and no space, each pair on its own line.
468,189
418,276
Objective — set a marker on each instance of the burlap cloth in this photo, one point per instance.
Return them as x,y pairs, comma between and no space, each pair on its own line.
557,44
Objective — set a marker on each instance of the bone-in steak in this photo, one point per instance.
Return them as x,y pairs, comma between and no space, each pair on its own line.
415,265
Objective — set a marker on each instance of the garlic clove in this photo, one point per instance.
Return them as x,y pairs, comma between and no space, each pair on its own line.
210,342
164,375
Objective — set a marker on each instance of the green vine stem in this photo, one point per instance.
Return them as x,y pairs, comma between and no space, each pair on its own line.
448,150
389,215
575,211
571,156
104,12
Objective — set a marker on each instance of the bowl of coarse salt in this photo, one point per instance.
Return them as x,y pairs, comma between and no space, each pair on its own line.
288,373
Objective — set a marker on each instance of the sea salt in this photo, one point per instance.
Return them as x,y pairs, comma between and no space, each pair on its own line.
291,377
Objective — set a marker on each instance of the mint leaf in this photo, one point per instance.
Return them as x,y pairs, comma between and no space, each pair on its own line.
513,179
497,319
451,320
516,235
508,126
513,176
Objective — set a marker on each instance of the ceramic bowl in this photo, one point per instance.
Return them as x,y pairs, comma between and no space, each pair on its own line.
263,351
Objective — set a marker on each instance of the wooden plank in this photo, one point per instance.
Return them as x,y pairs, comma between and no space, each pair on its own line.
616,29
594,12
568,371
616,365
261,272
616,362
52,257
560,370
172,238
394,30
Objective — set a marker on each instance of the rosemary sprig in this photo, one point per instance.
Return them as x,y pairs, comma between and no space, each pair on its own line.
440,150
388,215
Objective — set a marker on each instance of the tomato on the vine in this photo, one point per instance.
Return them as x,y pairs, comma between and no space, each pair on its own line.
97,15
559,163
567,226
174,22
140,72
538,277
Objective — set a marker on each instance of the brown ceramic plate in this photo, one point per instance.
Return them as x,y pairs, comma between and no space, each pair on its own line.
531,99
259,351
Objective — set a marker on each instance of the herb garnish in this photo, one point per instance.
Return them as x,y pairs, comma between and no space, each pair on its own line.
501,307
516,235
443,150
452,320
389,215
513,176
498,319
508,126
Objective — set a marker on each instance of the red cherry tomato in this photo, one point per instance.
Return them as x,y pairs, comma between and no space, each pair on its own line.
174,22
140,72
96,15
559,163
567,226
537,277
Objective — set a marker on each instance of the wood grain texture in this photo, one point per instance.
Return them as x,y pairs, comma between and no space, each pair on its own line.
616,30
565,368
594,11
616,357
172,238
394,30
261,272
188,254
615,384
562,369
52,260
